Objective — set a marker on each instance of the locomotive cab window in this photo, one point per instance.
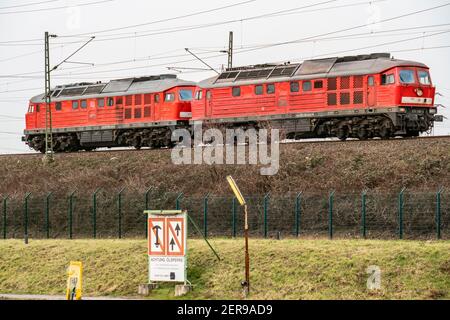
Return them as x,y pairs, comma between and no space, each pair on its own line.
270,89
371,81
259,90
307,86
83,104
169,97
74,105
156,98
295,87
236,91
110,102
185,95
208,95
387,79
407,76
58,106
38,107
424,78
31,109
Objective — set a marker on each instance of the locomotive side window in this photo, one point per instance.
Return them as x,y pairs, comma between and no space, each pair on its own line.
236,91
295,87
424,78
371,81
156,98
83,104
147,112
387,79
185,95
74,105
110,102
307,86
318,84
58,106
127,113
38,108
169,97
199,95
270,88
259,90
208,95
31,109
407,76
101,102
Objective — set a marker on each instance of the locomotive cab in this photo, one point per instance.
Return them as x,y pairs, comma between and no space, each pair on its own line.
177,102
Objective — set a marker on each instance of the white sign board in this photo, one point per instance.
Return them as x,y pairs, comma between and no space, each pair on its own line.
167,233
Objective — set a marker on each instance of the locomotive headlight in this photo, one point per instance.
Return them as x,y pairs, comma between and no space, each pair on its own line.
419,92
402,110
433,111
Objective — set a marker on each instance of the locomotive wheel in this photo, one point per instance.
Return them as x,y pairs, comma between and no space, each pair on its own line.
363,134
342,134
385,132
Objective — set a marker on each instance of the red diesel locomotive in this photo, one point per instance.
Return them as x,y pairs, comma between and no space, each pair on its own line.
126,112
361,97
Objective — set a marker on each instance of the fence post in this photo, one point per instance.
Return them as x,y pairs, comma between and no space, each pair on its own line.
400,213
233,217
438,214
177,200
363,213
205,215
94,212
298,210
25,216
330,214
5,204
47,214
266,203
71,214
119,210
147,206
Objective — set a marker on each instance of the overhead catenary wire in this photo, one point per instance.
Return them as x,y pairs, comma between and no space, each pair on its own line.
28,4
55,8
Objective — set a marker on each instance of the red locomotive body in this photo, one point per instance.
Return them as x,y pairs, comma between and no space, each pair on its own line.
361,96
127,112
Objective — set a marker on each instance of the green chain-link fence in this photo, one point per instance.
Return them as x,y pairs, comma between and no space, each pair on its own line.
102,214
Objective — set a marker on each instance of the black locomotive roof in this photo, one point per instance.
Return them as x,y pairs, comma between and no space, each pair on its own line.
83,90
309,69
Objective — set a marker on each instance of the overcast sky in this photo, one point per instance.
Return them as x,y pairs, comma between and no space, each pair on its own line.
141,37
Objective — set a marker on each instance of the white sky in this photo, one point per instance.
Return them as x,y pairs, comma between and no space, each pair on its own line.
165,49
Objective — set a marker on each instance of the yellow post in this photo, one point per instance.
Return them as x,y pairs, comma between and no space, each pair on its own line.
238,194
74,280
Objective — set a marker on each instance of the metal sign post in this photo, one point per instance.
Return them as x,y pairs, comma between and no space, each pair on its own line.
245,284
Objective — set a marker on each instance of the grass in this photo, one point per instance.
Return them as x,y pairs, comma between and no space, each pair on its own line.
286,269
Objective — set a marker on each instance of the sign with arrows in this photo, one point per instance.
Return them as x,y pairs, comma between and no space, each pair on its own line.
167,233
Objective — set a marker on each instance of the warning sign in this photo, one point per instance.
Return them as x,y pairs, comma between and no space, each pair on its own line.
175,237
74,280
156,236
167,245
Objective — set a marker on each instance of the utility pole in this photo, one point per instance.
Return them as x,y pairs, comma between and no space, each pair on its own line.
48,157
230,50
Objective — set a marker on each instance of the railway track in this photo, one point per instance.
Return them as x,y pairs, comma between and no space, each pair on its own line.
285,142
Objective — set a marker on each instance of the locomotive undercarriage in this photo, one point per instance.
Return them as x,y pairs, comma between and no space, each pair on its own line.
410,123
153,138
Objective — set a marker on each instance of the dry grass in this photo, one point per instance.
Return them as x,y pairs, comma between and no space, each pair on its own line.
378,165
287,269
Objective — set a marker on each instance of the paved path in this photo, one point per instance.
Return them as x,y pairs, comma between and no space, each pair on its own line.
49,297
